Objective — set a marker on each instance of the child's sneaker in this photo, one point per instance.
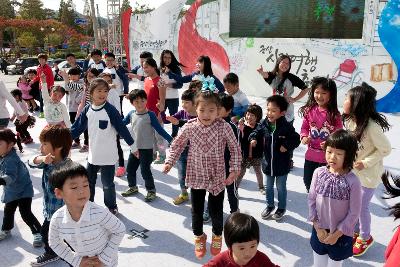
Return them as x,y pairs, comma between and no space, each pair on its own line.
183,197
216,245
262,190
200,246
114,211
355,236
150,196
206,216
41,115
37,240
361,246
131,191
76,145
4,234
160,160
267,212
84,148
44,259
120,172
28,140
278,215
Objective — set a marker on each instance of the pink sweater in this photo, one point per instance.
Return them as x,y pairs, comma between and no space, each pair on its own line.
316,125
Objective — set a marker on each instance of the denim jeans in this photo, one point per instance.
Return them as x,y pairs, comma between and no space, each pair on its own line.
281,187
107,179
144,161
172,104
181,166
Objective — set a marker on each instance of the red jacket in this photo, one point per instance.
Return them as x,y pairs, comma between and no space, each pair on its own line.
48,72
392,254
225,259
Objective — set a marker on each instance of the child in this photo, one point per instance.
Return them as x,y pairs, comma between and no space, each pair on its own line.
137,72
103,122
392,254
55,112
74,87
207,136
242,236
321,117
97,63
280,139
24,86
143,123
55,146
187,113
231,85
251,156
22,128
4,114
44,69
362,119
334,202
35,91
18,189
101,231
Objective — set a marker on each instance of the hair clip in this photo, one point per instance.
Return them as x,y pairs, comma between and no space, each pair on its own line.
208,84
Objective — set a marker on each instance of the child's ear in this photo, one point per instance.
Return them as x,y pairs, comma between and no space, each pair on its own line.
59,193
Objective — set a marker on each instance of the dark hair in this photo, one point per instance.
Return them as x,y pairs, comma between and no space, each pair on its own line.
57,136
189,95
94,71
74,71
174,66
207,69
207,96
8,136
70,55
240,228
32,71
152,63
137,93
96,52
328,85
231,78
109,54
275,71
256,110
96,83
392,192
16,92
342,139
105,74
67,170
20,78
196,85
280,101
226,101
42,55
58,88
146,54
363,100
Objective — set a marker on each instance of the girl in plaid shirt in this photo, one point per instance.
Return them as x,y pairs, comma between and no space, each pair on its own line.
207,137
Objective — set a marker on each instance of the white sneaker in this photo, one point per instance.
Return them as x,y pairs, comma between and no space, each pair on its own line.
4,234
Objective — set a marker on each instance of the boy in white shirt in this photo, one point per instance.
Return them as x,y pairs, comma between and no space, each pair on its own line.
90,230
231,84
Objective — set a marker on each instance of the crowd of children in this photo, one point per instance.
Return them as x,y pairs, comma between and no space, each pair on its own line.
216,136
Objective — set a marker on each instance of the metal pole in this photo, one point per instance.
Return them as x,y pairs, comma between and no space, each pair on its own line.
95,28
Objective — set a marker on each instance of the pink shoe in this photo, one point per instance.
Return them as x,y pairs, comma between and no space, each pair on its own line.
120,172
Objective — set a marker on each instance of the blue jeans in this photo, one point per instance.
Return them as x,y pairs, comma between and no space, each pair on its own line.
107,179
144,161
181,166
281,187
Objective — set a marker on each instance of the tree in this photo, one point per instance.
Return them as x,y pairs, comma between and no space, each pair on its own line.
66,13
28,40
95,26
32,9
6,10
125,5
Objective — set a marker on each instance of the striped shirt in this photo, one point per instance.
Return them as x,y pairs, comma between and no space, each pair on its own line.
205,164
97,233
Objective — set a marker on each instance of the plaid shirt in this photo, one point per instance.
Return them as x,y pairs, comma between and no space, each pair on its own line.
205,164
50,202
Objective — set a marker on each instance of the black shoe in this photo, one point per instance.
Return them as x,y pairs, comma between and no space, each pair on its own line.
45,258
278,214
267,212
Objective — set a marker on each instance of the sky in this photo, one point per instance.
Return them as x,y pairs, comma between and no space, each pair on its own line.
54,4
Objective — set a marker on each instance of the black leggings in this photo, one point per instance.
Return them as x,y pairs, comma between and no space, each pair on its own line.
72,117
24,205
121,161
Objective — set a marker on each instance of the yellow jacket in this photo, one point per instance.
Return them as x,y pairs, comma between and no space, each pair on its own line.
372,148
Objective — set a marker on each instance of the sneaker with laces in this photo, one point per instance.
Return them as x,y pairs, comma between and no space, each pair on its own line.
4,234
206,216
131,191
150,196
262,190
84,148
183,197
361,246
278,215
200,246
216,245
120,172
267,212
44,259
37,240
114,211
41,115
160,160
355,236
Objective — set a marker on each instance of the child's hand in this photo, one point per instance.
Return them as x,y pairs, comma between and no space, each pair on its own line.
291,100
90,262
234,119
167,168
359,165
322,144
282,149
240,124
48,158
166,69
253,143
331,239
132,76
231,178
262,72
172,120
160,107
321,234
305,140
136,154
43,78
23,118
113,86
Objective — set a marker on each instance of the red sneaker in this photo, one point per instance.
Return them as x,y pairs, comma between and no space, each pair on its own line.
200,246
216,245
355,236
361,246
